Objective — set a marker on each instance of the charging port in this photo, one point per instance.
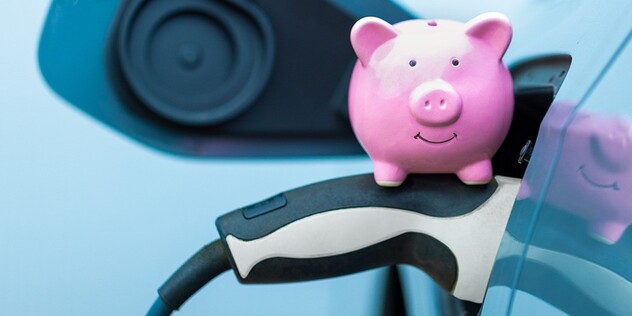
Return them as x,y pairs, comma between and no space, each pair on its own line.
536,83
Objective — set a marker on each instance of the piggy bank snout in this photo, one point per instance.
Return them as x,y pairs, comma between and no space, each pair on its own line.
435,103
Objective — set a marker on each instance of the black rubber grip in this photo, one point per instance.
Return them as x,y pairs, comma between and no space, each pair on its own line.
419,250
439,195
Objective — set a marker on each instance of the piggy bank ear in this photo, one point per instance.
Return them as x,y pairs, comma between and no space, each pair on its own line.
368,34
493,28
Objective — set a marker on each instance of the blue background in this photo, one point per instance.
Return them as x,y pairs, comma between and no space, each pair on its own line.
92,222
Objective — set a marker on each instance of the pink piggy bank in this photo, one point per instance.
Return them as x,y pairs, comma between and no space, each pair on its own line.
431,96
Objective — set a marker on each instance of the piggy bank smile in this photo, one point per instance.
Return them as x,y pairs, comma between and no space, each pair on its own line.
614,185
418,136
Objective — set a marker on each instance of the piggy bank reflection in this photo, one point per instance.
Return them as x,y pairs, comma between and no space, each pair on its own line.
593,177
431,96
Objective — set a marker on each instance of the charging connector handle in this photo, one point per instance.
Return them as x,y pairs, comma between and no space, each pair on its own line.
434,222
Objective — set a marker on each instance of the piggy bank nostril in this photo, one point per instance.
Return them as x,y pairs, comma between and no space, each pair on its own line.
442,104
427,104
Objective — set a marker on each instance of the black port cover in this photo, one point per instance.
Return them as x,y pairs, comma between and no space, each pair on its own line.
195,62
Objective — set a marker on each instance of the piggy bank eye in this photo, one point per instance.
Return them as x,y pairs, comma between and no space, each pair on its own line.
412,63
455,62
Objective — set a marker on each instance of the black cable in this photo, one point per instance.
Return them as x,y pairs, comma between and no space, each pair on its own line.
201,268
159,309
